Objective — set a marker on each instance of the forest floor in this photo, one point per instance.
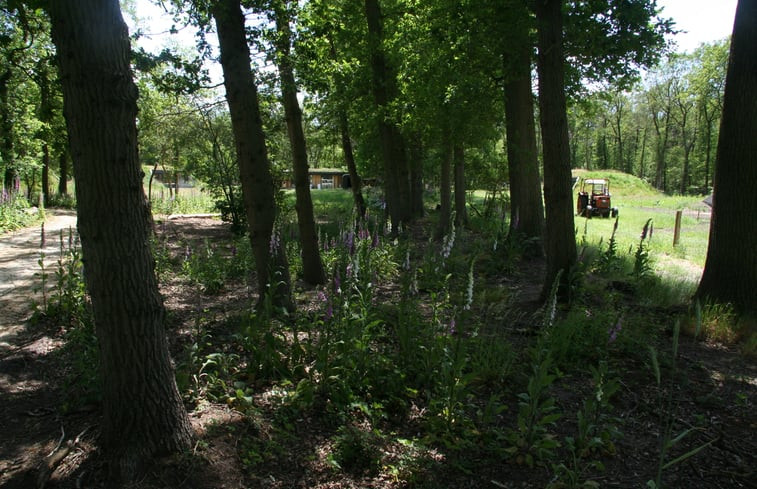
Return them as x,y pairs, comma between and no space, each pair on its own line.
717,396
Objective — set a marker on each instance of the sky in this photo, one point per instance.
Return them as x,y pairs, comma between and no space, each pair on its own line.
703,20
700,20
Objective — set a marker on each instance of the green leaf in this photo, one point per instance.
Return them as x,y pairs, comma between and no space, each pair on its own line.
688,454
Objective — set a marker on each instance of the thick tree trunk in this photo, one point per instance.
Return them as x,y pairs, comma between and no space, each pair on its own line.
560,243
143,415
526,206
396,173
252,155
461,212
6,133
730,271
356,184
312,266
63,172
42,79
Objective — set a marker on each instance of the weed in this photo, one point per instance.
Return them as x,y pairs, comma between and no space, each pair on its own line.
356,450
210,267
68,307
642,265
15,211
531,442
667,417
608,260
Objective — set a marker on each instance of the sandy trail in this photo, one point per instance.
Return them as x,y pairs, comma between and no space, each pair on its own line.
20,252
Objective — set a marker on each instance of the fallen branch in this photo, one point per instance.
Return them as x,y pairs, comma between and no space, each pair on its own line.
56,457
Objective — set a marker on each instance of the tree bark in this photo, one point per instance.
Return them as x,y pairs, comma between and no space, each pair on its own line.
526,206
416,177
312,266
63,172
445,185
560,243
42,79
383,84
461,212
143,415
252,155
45,173
6,130
356,184
730,270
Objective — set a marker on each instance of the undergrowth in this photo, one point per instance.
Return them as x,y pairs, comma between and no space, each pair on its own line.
413,353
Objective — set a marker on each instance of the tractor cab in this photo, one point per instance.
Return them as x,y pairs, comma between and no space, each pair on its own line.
594,198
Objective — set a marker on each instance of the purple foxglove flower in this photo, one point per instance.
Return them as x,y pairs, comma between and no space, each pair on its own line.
337,283
615,330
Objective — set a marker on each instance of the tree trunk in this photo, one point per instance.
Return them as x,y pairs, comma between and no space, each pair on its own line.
45,173
526,207
661,148
312,266
416,177
560,243
6,130
356,184
252,155
445,185
143,414
642,161
461,212
708,148
384,88
42,79
63,172
730,271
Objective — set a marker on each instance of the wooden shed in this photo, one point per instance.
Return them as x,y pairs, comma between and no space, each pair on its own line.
321,178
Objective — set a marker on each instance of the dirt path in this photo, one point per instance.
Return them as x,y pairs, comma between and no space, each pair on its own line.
19,262
29,424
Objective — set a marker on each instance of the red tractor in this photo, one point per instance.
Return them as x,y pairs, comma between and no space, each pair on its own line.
594,198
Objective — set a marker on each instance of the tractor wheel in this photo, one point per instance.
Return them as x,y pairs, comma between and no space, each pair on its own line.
615,212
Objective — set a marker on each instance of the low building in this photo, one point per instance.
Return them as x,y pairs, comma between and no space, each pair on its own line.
320,178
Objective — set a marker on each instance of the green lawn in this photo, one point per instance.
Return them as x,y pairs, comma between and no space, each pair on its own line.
637,202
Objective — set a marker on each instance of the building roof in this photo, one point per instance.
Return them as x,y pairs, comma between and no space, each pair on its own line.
328,171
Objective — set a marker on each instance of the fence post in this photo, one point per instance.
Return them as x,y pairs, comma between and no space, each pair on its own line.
677,231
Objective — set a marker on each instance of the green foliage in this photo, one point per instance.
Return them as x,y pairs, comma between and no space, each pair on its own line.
356,450
642,266
192,204
67,307
67,303
668,412
15,212
63,201
531,441
210,266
